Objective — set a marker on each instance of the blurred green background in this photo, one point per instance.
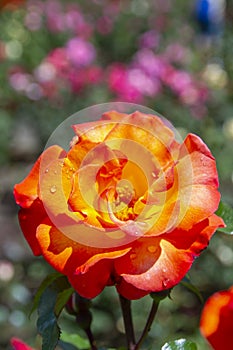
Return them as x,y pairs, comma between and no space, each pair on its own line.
58,57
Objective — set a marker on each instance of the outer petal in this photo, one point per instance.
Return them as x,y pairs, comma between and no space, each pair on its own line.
149,122
197,183
90,284
158,270
27,191
128,291
216,322
88,269
29,220
155,264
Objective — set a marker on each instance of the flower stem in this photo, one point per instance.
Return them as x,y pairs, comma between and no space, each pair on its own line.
91,338
148,325
128,322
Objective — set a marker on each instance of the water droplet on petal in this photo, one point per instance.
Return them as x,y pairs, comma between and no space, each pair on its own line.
55,172
53,189
151,248
165,282
46,171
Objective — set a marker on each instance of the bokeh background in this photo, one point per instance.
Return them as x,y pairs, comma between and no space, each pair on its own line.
58,57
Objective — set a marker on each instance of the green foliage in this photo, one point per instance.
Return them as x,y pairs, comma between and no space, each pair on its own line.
47,321
187,284
45,284
180,344
50,300
226,213
75,340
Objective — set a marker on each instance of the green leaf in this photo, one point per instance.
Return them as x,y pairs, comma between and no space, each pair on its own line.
62,299
180,344
51,302
66,346
45,283
47,322
226,213
187,284
76,340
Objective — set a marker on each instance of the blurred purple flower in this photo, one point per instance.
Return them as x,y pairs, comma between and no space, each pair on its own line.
33,18
75,22
142,82
176,53
19,80
149,40
152,64
80,52
54,16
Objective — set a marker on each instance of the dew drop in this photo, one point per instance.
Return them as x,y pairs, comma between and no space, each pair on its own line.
55,172
165,282
46,171
151,248
154,175
53,189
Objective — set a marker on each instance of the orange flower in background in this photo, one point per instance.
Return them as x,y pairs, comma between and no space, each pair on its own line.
127,205
216,322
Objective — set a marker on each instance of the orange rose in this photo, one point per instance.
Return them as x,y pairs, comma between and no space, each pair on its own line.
216,323
127,205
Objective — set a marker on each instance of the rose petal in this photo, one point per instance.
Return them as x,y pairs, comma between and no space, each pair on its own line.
27,191
155,264
29,220
216,322
160,270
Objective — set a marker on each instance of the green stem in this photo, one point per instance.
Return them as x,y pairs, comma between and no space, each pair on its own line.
91,338
128,322
148,325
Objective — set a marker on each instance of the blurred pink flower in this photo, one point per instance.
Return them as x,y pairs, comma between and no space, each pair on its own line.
118,82
76,22
18,344
104,25
142,82
152,64
149,40
35,11
54,16
80,52
58,58
19,79
94,75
